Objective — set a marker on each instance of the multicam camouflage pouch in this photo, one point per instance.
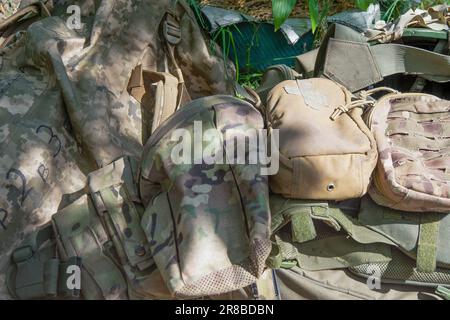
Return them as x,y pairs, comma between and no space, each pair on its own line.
413,138
207,216
326,150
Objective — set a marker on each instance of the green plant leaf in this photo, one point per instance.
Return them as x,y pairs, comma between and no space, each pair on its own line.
363,4
281,10
314,14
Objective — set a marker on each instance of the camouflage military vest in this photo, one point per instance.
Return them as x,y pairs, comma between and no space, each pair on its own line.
161,229
75,100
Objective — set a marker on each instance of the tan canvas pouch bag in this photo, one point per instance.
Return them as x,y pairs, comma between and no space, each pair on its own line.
412,131
326,150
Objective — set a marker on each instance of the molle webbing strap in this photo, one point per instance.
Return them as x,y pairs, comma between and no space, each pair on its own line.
113,189
427,245
166,96
396,58
301,216
170,89
302,227
79,232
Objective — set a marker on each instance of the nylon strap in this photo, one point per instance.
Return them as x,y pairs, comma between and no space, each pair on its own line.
343,48
302,225
166,97
266,288
396,58
427,246
420,83
172,33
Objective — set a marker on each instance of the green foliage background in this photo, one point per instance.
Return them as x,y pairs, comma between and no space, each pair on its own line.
318,9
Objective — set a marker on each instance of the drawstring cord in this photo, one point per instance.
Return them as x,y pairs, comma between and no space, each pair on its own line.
350,106
365,100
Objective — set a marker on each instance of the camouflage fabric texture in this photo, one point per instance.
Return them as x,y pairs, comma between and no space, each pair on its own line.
412,132
66,106
208,224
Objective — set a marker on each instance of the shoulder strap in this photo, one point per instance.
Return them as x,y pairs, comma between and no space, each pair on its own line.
346,57
171,92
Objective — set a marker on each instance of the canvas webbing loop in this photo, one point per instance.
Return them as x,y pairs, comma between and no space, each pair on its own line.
302,226
427,245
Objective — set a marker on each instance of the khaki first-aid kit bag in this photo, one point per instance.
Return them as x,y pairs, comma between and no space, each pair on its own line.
412,131
326,150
